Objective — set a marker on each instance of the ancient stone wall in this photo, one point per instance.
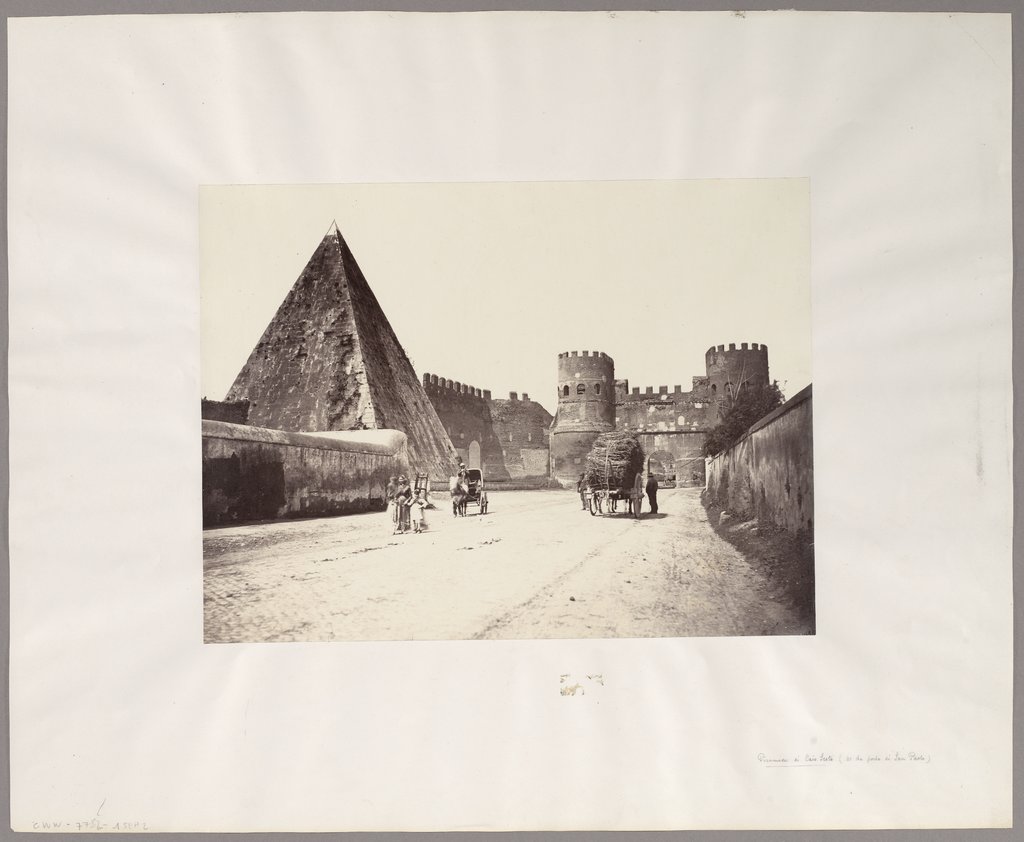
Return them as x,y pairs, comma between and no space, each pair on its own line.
522,427
252,473
769,473
657,409
465,414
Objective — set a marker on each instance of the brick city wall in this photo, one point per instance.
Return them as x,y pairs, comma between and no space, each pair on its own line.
465,413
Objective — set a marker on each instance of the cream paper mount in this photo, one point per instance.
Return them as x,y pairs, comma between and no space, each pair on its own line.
896,713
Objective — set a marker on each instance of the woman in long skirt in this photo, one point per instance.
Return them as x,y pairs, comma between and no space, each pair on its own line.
402,499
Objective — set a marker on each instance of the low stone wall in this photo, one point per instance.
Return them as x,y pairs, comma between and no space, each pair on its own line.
769,473
252,473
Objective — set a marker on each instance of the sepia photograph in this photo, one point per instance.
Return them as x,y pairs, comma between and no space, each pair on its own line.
506,411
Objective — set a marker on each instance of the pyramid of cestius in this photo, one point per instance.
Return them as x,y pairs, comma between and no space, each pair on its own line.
330,360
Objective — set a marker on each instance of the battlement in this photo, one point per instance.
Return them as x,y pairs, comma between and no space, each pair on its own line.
677,391
601,355
753,346
433,383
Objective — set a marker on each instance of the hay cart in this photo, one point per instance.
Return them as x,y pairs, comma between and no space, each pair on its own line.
615,473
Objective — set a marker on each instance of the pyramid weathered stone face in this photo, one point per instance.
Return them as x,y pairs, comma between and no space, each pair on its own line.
329,360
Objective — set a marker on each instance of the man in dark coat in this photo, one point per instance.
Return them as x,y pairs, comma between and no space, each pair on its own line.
652,493
581,488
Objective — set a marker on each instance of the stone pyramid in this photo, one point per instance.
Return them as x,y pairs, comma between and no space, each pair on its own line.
329,360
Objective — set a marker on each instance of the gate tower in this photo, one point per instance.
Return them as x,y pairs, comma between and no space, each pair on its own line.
731,368
586,408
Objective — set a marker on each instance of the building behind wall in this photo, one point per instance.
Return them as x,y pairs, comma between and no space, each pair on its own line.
523,428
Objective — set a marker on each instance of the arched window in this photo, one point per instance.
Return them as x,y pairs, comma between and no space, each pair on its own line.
597,388
581,388
565,391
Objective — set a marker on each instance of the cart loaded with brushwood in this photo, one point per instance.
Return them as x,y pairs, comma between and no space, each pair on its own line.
614,474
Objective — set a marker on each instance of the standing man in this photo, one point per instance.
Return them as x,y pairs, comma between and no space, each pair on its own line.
581,489
652,493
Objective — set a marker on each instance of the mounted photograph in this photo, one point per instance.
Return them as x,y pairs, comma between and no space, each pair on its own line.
506,410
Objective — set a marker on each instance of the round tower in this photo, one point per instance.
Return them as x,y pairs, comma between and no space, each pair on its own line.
730,368
586,408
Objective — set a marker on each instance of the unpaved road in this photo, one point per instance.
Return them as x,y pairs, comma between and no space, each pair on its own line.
535,566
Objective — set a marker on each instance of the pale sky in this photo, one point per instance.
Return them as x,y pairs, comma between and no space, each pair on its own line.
487,283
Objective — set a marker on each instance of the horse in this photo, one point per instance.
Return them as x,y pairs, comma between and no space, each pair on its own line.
460,492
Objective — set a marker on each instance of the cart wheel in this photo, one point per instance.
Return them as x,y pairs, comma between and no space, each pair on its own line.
593,506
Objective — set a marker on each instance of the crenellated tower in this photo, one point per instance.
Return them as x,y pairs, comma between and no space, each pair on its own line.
731,368
586,408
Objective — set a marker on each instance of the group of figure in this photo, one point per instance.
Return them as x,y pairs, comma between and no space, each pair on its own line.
405,506
613,496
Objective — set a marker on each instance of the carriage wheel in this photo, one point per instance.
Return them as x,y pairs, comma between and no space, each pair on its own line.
593,505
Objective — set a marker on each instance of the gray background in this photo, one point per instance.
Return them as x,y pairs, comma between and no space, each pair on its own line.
38,8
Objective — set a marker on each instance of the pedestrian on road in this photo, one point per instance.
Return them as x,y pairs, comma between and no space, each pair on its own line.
652,493
581,489
403,497
416,508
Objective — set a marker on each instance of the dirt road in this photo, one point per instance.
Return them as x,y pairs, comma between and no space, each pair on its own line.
535,566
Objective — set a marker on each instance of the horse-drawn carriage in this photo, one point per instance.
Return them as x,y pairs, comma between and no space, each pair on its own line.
468,491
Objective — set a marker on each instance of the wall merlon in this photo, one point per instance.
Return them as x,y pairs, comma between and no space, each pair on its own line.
663,390
650,390
487,394
513,396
